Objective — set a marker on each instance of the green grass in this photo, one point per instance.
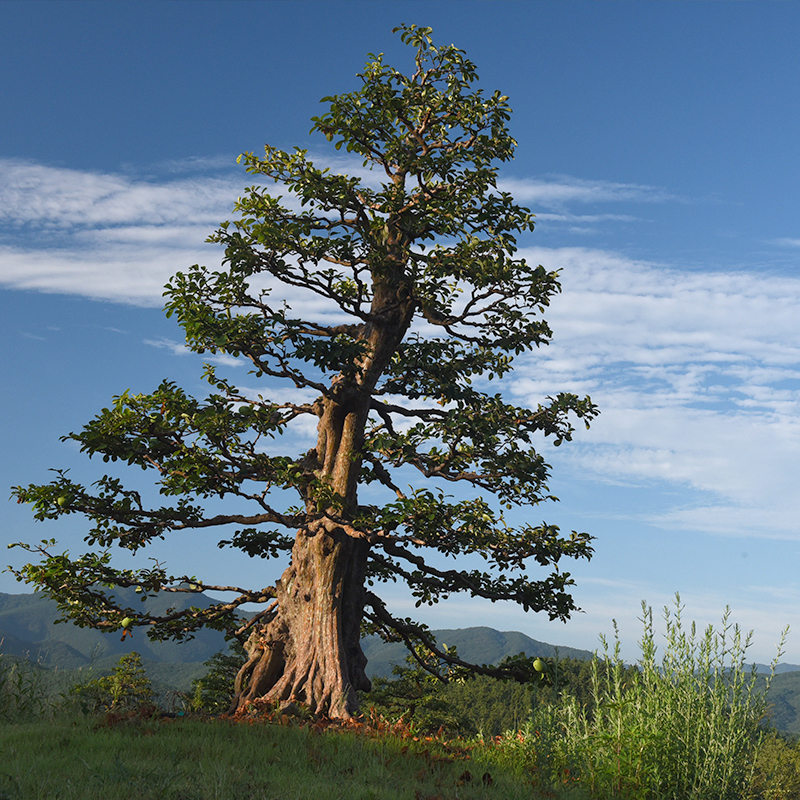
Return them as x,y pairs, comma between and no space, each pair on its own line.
188,759
684,724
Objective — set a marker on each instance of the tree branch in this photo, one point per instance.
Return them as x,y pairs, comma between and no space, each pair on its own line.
409,632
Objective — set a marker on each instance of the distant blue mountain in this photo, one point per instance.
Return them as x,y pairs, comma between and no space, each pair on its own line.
764,669
476,645
27,629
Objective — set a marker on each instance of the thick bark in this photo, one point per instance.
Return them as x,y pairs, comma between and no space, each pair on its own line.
310,652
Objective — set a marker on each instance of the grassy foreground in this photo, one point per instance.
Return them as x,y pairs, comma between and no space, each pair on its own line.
685,726
191,759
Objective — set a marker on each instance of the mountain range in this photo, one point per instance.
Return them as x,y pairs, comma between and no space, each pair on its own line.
27,630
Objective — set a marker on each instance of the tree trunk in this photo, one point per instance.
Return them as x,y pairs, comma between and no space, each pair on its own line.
310,652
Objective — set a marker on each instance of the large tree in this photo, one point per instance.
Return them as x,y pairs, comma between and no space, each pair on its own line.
393,300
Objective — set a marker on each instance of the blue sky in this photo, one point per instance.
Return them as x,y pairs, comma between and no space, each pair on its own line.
658,148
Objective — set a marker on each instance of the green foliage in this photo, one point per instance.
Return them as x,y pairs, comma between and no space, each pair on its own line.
23,694
574,677
417,264
127,689
687,726
777,770
416,696
213,692
431,695
488,706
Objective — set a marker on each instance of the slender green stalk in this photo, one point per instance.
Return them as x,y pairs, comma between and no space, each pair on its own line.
22,691
686,726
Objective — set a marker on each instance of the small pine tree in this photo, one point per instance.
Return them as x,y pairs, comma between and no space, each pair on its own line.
214,692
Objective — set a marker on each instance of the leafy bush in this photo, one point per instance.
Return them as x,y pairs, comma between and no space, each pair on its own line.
777,770
415,695
127,689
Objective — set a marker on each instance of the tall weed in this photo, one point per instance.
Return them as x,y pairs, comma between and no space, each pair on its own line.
685,727
23,694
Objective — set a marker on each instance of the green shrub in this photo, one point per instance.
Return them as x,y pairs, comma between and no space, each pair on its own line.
213,692
487,706
127,689
686,727
777,770
414,695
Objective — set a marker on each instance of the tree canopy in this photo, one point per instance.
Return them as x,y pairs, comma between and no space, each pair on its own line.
387,302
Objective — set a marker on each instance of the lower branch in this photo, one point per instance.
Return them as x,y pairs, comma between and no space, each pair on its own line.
409,632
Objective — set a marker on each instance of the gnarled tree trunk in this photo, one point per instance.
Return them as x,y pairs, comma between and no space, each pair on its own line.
310,652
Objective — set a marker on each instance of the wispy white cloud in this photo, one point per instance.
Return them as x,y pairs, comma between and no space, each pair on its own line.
56,197
129,275
556,191
176,348
196,164
698,379
110,236
104,236
579,223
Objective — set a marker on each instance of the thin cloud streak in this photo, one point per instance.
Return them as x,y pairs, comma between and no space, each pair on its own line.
559,190
571,218
180,349
134,275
